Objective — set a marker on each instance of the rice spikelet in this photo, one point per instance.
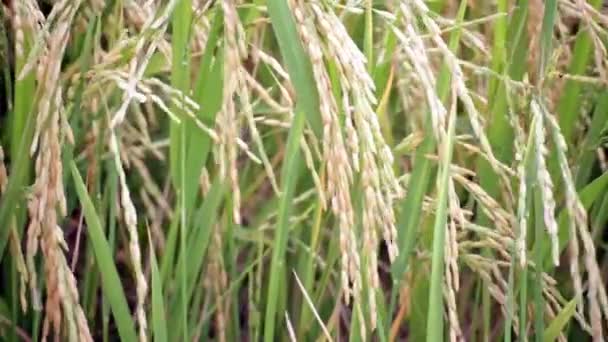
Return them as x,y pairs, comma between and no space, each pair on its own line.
545,184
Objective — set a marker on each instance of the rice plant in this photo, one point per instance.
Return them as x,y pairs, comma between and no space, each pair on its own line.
304,170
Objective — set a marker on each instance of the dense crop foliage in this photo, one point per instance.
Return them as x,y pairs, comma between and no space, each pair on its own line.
304,170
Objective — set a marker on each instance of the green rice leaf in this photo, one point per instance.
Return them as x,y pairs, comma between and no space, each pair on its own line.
111,285
559,323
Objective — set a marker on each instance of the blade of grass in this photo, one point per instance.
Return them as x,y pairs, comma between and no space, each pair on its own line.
180,77
170,251
297,62
159,320
568,107
111,285
500,133
196,249
183,233
21,122
499,46
309,269
369,36
434,328
599,218
22,125
13,195
289,179
307,107
559,323
208,94
383,68
112,210
179,134
546,36
205,218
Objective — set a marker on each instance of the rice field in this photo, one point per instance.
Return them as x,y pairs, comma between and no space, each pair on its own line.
304,170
